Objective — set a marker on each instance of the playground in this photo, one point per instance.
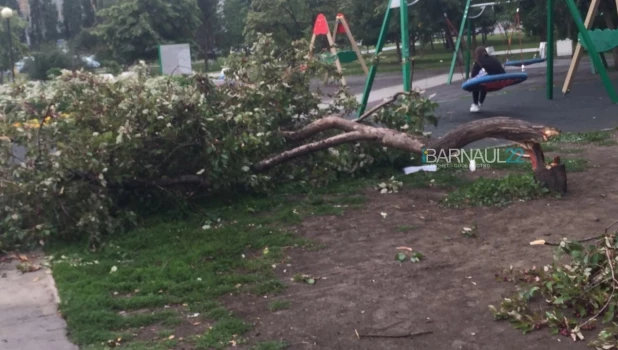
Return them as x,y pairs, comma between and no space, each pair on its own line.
328,268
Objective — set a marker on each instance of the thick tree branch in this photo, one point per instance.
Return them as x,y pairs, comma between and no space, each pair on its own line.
312,147
500,127
321,125
370,112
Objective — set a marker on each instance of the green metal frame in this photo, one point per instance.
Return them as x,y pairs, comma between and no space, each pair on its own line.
592,51
406,65
458,42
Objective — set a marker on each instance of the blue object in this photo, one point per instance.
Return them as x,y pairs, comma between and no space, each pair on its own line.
528,62
494,82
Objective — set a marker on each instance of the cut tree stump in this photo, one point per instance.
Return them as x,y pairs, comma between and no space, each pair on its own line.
552,176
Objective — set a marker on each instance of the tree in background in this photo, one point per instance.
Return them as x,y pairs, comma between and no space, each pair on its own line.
233,22
12,4
73,15
43,22
208,29
133,29
288,20
18,49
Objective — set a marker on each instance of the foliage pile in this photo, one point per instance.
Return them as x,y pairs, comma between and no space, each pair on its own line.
576,294
95,149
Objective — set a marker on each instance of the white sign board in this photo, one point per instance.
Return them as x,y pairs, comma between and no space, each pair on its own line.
175,59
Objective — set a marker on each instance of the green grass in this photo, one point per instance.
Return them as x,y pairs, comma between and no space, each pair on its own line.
270,346
599,138
406,228
495,192
172,267
438,58
279,305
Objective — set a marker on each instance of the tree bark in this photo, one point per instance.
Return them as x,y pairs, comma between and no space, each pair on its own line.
500,127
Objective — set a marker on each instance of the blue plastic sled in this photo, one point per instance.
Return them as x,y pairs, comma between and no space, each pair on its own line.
528,62
494,82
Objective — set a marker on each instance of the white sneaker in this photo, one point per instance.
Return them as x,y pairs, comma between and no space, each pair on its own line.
474,108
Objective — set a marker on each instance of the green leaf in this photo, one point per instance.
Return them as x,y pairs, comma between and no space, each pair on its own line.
401,257
609,314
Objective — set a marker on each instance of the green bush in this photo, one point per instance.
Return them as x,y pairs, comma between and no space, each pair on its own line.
50,61
112,67
95,149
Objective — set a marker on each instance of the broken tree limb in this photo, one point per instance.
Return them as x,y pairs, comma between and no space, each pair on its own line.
311,147
500,127
370,112
408,335
506,128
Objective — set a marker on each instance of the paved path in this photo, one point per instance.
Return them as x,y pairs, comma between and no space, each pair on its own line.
587,107
29,318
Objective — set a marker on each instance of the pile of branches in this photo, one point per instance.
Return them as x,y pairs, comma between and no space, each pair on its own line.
578,296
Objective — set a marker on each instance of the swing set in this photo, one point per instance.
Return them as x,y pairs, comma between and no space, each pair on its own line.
589,40
494,82
320,27
406,62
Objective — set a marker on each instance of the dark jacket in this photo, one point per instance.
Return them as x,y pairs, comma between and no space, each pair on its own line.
491,64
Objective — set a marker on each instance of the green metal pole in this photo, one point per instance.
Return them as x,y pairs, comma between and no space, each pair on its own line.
550,49
458,44
405,46
373,69
468,60
592,51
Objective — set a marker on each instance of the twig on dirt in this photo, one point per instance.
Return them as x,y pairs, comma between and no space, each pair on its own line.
543,242
409,335
611,296
405,248
610,226
380,106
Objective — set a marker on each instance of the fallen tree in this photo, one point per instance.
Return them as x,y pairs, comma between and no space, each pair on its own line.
90,145
528,135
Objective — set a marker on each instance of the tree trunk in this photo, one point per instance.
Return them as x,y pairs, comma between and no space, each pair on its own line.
450,44
431,43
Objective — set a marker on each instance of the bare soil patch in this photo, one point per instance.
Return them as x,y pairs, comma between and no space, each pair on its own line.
362,288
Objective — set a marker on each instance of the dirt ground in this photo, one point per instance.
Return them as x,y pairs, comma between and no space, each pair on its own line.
364,289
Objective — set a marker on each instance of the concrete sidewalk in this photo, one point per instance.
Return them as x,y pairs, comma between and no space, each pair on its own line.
29,318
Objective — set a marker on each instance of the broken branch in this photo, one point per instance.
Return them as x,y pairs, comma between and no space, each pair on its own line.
380,106
409,335
499,127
